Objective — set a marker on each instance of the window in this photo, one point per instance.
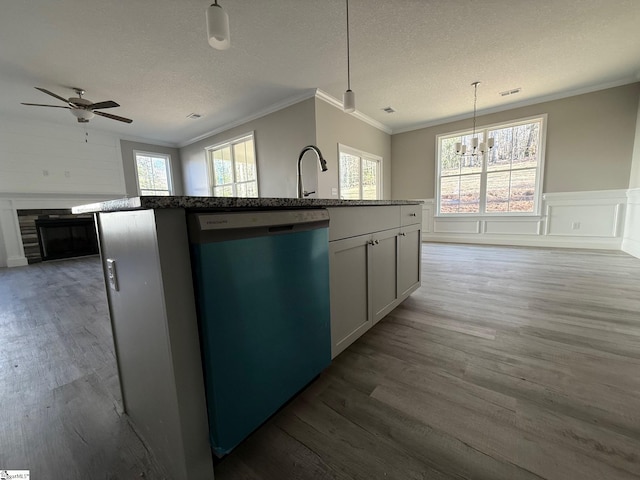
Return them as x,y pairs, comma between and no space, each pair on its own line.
233,168
153,173
360,174
506,181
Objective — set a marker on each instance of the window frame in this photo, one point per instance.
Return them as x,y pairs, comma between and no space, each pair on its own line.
538,196
167,158
230,142
362,155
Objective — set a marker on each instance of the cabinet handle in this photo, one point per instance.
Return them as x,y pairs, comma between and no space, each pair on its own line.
412,214
403,234
370,242
376,242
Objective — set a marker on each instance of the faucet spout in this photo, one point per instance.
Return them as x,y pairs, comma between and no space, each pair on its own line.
321,160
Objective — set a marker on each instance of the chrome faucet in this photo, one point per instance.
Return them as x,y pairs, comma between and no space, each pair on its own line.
323,164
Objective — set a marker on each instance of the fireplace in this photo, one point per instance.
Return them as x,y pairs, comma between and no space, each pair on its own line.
49,234
66,237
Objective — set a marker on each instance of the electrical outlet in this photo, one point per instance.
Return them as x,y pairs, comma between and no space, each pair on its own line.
45,173
575,225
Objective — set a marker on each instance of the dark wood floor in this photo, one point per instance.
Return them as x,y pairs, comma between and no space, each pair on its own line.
508,363
60,404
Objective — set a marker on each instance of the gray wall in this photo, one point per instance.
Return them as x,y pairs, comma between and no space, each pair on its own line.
590,141
333,126
279,137
128,165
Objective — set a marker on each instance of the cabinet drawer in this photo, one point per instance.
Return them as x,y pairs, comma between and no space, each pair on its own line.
345,222
410,214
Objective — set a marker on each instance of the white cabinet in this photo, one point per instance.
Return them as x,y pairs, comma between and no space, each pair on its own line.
409,259
375,265
384,272
349,279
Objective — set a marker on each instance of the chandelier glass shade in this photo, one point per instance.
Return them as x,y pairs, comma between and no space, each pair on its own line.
476,148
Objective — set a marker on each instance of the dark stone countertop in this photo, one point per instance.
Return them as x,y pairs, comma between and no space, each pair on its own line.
226,203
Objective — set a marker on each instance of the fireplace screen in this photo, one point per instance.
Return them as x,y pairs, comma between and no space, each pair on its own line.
66,237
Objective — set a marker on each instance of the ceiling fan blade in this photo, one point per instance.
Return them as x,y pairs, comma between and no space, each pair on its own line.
113,117
43,90
41,105
107,104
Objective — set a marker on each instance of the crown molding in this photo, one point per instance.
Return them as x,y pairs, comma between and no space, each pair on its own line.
267,111
524,103
148,141
322,95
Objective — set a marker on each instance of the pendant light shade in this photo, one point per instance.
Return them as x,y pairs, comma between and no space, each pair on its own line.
348,98
218,27
349,101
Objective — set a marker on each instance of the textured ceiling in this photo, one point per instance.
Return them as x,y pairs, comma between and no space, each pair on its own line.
417,56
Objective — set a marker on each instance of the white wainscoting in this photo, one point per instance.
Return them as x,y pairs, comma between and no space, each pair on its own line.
631,240
593,219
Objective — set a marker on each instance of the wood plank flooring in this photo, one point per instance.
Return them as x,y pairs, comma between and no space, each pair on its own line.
508,363
60,404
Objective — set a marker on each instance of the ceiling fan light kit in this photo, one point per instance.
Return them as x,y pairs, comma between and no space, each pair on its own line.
81,108
83,116
218,27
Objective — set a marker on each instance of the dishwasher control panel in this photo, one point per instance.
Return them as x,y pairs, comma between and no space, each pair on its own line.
224,221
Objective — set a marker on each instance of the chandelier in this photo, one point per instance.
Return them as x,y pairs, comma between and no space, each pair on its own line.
477,149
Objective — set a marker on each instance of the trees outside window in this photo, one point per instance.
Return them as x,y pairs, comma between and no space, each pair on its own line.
233,168
153,173
360,174
506,180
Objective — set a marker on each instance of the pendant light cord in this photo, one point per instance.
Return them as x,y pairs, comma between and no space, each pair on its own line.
348,56
475,101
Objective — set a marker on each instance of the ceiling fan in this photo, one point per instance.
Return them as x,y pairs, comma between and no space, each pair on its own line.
81,108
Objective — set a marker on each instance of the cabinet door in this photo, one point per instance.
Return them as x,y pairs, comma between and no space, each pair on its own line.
409,263
384,270
350,264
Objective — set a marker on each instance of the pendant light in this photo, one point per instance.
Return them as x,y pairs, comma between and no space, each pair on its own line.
348,98
218,27
476,149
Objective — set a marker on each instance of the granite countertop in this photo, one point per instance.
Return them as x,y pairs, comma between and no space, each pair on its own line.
225,203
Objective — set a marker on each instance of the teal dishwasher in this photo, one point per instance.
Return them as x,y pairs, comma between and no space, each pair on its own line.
262,292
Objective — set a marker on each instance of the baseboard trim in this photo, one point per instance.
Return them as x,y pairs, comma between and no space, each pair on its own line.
530,241
631,246
17,261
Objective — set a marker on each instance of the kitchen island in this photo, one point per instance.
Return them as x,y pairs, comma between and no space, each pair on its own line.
374,259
